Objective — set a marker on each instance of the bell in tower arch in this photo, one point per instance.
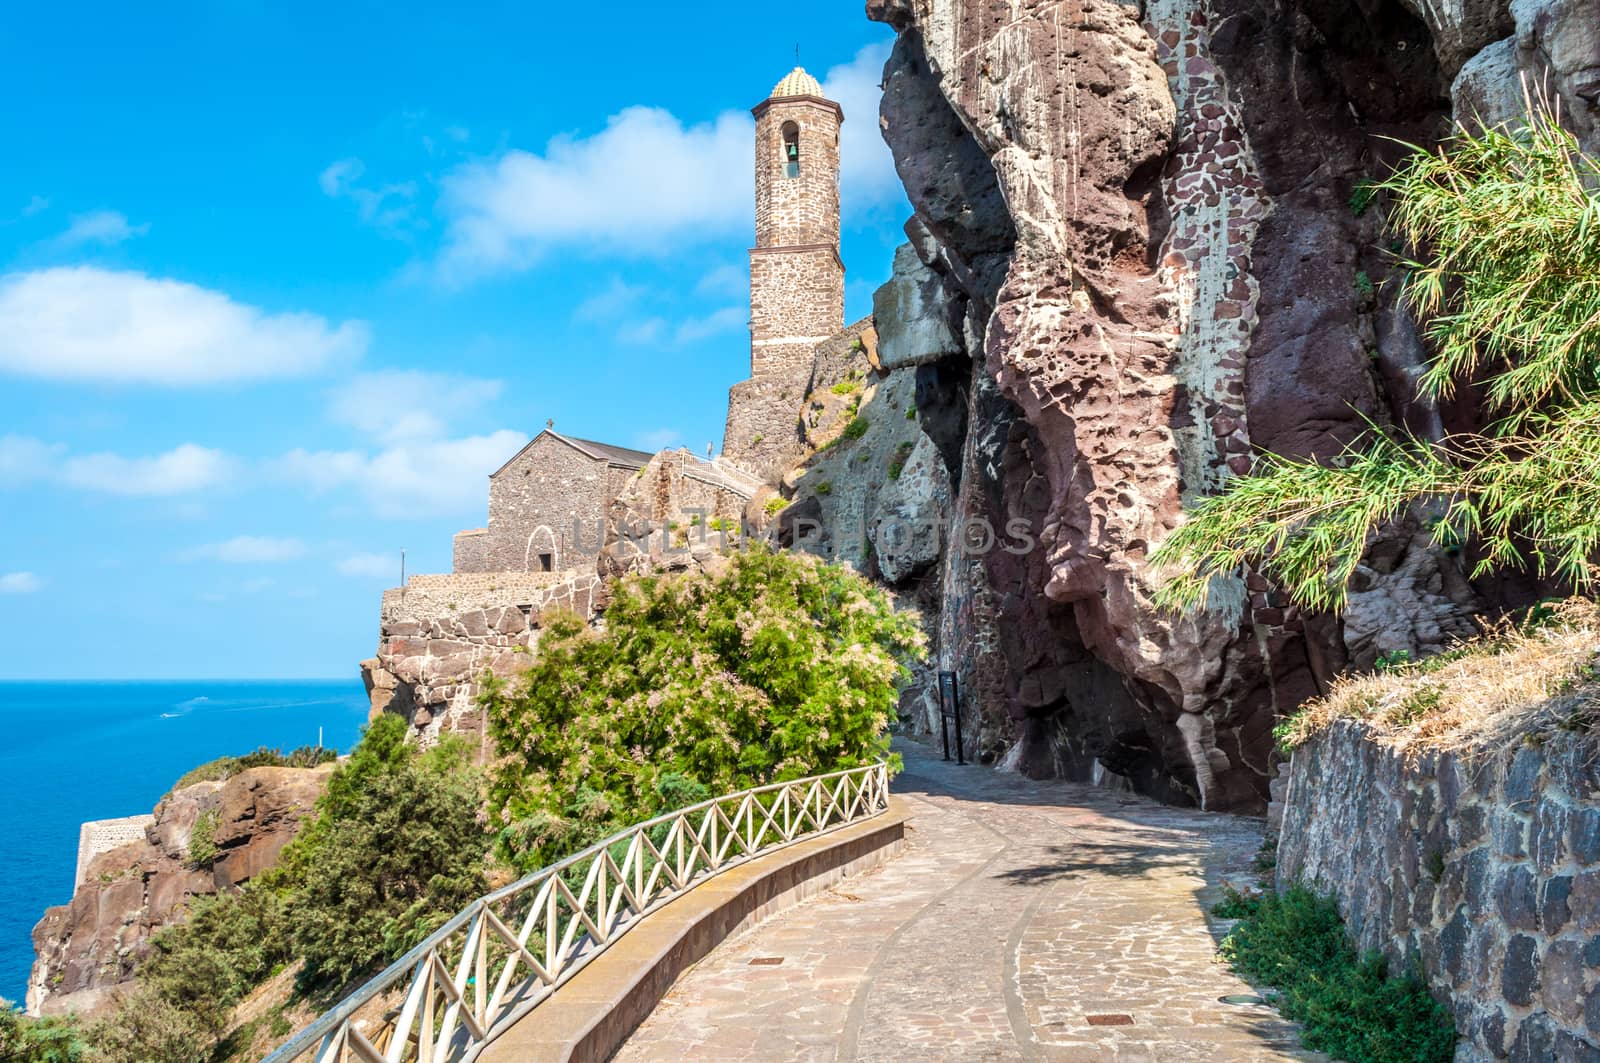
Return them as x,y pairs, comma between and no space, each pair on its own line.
791,150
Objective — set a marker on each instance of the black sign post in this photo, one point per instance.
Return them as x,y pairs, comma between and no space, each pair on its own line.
950,709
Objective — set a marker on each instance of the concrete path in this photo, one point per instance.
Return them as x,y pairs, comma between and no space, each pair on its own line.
1024,921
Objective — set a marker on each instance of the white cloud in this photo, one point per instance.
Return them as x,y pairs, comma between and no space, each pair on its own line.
389,207
373,566
604,306
725,279
642,332
107,227
184,468
85,323
867,176
36,205
643,184
20,583
23,459
247,550
423,478
397,405
719,321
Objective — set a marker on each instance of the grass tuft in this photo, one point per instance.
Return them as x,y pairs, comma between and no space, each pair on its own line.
1522,679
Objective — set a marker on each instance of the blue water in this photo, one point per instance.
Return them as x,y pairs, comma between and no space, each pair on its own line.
78,751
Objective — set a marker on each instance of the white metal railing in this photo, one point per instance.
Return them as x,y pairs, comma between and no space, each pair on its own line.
494,962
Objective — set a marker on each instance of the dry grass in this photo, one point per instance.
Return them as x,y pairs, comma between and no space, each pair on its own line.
1514,683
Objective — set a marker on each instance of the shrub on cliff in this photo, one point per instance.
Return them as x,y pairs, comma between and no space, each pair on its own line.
397,848
1511,220
224,768
397,845
27,1040
780,667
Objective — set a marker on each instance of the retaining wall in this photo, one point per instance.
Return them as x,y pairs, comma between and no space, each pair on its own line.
1483,873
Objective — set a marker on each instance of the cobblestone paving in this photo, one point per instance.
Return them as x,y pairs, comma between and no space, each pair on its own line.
1018,912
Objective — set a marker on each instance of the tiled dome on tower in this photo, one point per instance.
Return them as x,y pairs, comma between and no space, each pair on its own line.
796,83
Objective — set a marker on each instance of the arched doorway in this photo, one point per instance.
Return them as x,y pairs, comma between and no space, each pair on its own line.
542,554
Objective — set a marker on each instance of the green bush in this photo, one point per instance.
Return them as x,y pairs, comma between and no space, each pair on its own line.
779,667
203,840
396,849
224,768
1350,1007
148,1027
26,1040
855,429
776,505
396,846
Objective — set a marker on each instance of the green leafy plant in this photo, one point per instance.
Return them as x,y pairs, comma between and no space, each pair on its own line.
775,505
1362,195
1349,1005
1364,284
911,412
1511,298
848,386
203,839
1389,660
395,846
225,768
47,1040
824,488
855,429
897,463
780,667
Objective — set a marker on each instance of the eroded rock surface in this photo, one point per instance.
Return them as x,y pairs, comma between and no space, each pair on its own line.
90,946
1143,255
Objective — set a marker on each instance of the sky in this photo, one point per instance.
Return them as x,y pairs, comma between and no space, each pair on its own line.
282,283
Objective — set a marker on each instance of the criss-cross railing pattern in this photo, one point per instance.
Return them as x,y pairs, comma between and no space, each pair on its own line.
494,962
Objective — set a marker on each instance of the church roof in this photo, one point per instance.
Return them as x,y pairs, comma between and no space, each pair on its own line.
796,83
606,452
636,459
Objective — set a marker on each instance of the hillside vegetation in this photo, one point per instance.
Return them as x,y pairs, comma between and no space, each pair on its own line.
779,667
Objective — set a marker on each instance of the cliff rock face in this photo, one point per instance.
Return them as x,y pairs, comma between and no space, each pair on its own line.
1141,258
88,947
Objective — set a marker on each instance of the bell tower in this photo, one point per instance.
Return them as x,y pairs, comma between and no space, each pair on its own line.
796,275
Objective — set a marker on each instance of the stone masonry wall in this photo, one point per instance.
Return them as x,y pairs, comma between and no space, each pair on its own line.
796,300
539,504
470,551
794,211
438,638
1485,873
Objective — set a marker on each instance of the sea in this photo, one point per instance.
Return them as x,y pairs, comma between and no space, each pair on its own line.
76,751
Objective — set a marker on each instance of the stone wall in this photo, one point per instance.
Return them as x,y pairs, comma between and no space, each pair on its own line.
541,502
427,596
442,633
801,210
796,300
103,835
1483,872
470,551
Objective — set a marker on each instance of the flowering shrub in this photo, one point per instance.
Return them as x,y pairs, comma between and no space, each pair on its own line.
780,667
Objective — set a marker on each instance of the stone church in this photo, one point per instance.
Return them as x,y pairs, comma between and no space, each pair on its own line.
548,505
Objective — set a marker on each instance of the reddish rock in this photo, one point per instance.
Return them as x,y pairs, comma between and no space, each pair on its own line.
91,945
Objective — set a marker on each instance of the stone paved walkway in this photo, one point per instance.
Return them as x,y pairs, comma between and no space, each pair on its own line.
1020,916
